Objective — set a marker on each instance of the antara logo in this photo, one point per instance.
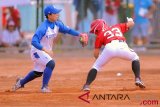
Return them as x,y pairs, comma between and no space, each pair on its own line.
85,97
119,97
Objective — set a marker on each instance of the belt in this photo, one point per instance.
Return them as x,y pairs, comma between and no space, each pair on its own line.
121,40
117,41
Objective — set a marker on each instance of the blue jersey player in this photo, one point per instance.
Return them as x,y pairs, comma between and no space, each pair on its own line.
41,49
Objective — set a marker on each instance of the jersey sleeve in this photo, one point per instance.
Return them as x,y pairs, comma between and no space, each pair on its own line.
123,26
40,32
66,29
98,43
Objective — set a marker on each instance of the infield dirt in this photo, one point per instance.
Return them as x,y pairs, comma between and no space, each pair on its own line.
69,76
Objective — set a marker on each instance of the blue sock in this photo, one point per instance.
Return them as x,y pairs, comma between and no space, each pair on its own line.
46,76
47,73
29,77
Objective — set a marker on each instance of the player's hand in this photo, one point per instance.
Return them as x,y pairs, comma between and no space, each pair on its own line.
130,22
50,52
83,39
129,19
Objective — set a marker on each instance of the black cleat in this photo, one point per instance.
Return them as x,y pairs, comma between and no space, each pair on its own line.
139,83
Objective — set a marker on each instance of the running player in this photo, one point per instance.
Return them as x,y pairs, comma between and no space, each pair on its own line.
115,46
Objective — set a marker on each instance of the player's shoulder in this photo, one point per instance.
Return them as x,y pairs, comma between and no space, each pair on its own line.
42,27
59,23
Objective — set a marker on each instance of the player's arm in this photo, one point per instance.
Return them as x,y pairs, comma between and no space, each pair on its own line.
83,37
97,47
96,52
66,29
124,27
36,43
37,37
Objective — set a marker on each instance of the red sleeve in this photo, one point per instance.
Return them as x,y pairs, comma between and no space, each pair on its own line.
123,27
98,43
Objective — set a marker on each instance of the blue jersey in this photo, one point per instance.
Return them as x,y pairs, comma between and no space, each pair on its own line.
141,7
47,31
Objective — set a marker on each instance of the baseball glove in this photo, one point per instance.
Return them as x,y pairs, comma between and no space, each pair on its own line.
83,39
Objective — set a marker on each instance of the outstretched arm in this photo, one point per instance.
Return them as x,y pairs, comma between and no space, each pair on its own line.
83,37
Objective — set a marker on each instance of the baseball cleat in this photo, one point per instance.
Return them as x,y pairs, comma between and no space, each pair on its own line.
17,85
139,83
86,88
45,90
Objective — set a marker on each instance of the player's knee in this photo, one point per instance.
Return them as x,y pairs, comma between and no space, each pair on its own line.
96,68
135,61
51,64
38,74
136,57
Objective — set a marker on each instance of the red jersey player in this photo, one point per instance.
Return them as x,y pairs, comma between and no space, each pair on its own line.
114,46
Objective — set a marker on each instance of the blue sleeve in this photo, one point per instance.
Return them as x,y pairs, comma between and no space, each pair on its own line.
40,32
66,29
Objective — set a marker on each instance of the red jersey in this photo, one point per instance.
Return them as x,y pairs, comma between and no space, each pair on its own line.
112,33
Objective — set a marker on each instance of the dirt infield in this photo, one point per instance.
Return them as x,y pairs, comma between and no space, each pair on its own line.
108,90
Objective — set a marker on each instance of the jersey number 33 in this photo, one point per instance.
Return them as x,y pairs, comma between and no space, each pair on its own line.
113,32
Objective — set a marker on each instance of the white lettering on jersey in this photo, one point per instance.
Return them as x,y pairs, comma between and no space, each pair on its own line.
52,32
116,31
47,40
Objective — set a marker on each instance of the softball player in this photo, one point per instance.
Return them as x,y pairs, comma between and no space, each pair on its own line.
41,49
115,46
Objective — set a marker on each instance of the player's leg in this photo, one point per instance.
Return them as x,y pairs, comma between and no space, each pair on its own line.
82,12
90,78
20,82
94,6
30,76
104,57
47,75
48,64
126,53
36,72
136,70
145,34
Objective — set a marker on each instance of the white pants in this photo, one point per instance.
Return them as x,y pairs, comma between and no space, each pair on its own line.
40,59
115,49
